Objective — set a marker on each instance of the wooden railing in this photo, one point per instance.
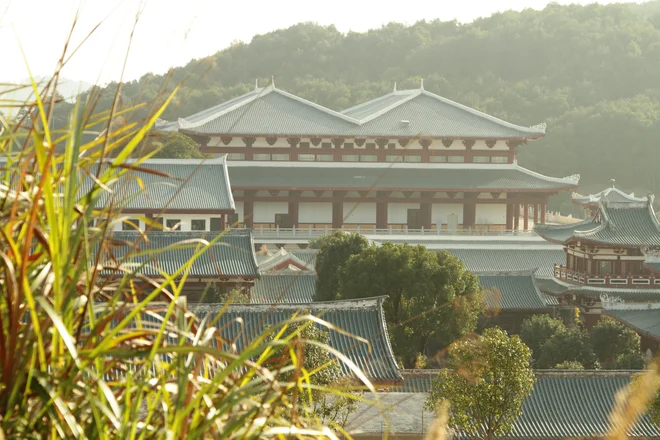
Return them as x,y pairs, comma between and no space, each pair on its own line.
309,232
611,281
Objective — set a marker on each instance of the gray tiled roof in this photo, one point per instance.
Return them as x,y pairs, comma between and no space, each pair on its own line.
231,256
362,317
618,224
646,322
384,176
563,404
653,265
272,111
486,260
611,194
274,287
555,287
178,184
511,290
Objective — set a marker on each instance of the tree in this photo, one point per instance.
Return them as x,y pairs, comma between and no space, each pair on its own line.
215,294
486,383
324,374
570,345
432,298
173,146
535,331
615,345
569,365
335,250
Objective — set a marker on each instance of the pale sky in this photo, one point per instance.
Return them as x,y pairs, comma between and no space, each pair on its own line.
172,32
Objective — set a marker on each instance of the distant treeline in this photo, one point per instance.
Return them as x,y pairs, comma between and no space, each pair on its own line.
591,72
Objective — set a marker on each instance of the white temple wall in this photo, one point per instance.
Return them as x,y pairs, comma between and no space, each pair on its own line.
239,210
491,214
359,213
184,220
315,212
398,212
264,212
440,212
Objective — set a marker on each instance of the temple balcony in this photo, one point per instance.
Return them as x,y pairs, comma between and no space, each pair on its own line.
613,281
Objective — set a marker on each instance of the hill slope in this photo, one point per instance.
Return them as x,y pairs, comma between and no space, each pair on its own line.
591,72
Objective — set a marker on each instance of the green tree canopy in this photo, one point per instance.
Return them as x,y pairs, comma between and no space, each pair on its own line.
486,383
570,345
173,146
335,250
615,345
536,331
432,298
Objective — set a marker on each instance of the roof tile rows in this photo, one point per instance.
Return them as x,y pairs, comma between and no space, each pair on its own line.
273,111
275,287
611,194
171,184
645,322
232,255
563,404
385,176
512,291
363,318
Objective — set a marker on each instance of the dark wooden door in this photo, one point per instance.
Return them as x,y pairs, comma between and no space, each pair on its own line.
414,219
283,221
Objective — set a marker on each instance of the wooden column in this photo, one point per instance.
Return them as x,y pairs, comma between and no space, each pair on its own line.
381,215
536,213
338,210
526,217
294,207
509,216
516,216
469,210
248,209
543,213
248,146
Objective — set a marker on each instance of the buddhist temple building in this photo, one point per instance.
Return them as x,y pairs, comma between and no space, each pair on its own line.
611,254
407,160
171,194
228,263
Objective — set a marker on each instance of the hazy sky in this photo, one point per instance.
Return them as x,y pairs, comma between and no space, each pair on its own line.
172,32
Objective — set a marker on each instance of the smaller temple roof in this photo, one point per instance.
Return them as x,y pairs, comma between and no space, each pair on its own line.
611,194
388,176
632,224
553,286
276,287
364,318
644,321
231,256
563,404
187,185
512,290
485,260
282,259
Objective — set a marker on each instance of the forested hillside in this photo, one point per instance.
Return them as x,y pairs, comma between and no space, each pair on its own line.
592,73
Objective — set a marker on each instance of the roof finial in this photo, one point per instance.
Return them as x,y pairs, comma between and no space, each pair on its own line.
394,87
421,86
612,182
272,81
256,83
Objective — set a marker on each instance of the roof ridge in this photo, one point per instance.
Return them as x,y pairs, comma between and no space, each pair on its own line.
254,94
317,106
535,129
317,305
392,106
521,272
572,178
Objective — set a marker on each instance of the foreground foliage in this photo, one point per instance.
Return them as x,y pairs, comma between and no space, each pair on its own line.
486,383
91,349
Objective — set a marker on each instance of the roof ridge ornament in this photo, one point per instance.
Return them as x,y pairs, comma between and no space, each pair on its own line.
573,177
540,127
272,81
612,182
394,91
256,84
421,85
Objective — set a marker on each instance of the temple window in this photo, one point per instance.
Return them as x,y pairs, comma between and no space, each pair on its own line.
130,224
499,159
324,157
368,158
198,225
393,158
456,159
261,156
235,156
173,224
481,159
413,158
350,158
439,159
280,157
307,157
